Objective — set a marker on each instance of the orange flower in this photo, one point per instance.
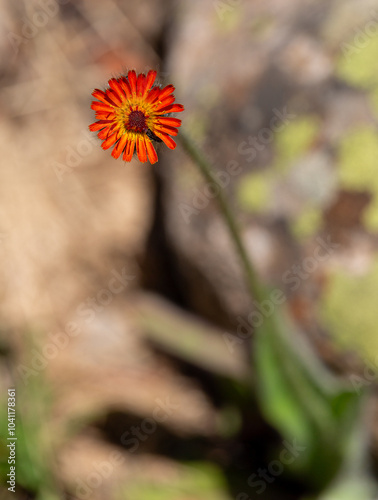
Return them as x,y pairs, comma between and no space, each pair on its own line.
132,112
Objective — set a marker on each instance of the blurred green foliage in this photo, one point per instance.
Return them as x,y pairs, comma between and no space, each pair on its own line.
294,140
357,159
357,61
34,446
357,168
308,222
308,405
254,191
348,308
197,481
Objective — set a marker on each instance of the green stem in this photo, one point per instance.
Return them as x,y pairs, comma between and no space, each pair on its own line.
255,288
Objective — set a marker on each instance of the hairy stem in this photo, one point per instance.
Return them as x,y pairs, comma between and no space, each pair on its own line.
255,287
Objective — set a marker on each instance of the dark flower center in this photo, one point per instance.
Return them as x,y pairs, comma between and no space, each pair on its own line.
137,122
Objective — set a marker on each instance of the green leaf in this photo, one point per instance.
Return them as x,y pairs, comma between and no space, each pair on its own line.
184,336
197,481
306,403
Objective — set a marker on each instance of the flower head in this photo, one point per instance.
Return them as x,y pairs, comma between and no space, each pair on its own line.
131,112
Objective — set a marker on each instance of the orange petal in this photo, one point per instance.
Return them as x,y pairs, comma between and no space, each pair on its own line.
98,125
169,120
104,115
141,84
101,96
166,129
104,133
100,106
107,131
113,96
109,141
151,75
125,86
152,156
166,91
116,86
141,149
153,95
168,141
172,108
163,103
132,81
129,150
119,147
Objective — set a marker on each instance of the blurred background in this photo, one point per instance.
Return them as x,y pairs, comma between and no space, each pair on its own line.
125,324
